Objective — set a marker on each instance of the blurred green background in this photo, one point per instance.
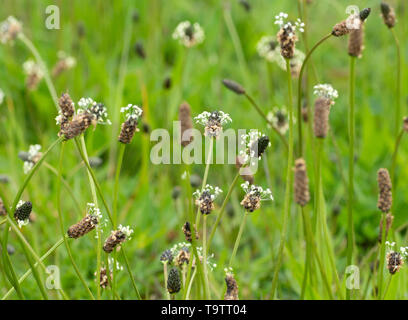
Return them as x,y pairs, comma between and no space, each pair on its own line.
101,35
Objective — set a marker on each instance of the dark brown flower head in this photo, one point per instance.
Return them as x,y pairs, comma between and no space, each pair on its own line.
388,15
245,4
139,49
87,224
351,23
302,196
389,218
103,278
394,261
182,258
9,29
116,237
260,145
78,125
166,257
232,287
287,39
405,124
385,194
186,124
233,86
205,198
173,281
167,83
129,127
3,210
67,106
213,122
356,42
253,196
187,231
321,117
205,202
23,211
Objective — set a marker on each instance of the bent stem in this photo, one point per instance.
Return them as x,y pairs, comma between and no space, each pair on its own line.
263,115
351,125
62,229
299,98
289,182
29,271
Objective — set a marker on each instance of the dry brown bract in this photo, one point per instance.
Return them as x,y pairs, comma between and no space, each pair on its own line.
232,288
84,226
302,196
385,194
321,117
116,237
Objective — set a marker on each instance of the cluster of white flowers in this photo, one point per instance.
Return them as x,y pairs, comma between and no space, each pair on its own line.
213,122
281,21
111,263
204,117
30,67
189,34
97,109
229,270
279,119
404,252
126,230
326,91
179,246
248,141
1,96
132,112
22,222
208,189
9,29
257,191
268,48
210,264
69,61
93,210
33,155
390,248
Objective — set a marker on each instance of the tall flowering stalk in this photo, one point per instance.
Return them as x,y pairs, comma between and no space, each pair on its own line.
287,39
355,49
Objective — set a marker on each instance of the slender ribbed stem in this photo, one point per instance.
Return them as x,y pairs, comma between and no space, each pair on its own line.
115,207
165,280
29,271
238,239
222,210
62,229
351,126
105,204
307,269
288,187
299,98
398,84
387,287
382,255
205,268
394,158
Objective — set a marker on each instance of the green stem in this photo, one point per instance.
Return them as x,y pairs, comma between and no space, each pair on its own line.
394,158
308,268
105,204
62,229
398,84
382,255
165,280
29,271
237,240
351,125
222,210
289,180
205,270
387,287
299,99
115,206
